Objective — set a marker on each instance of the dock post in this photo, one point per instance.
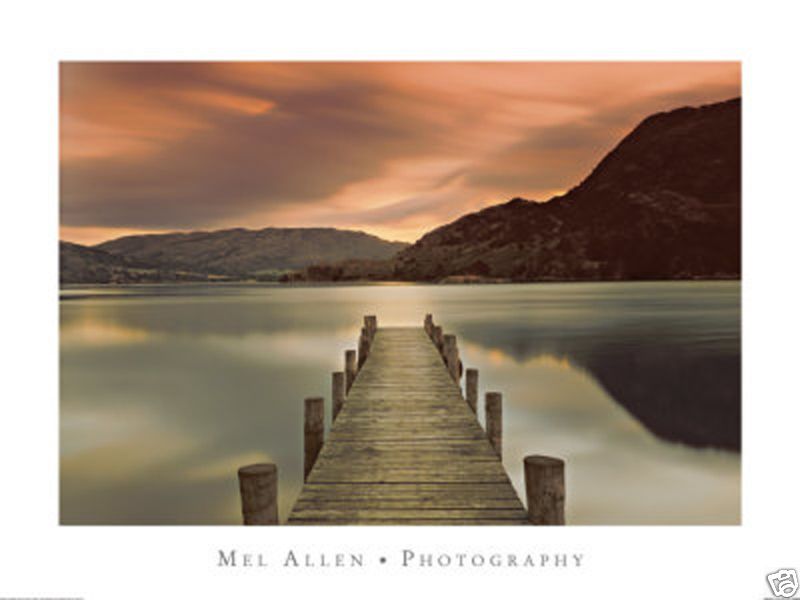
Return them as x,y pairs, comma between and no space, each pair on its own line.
494,420
258,488
471,386
438,339
544,486
337,394
349,368
447,343
428,324
451,357
371,323
313,432
363,347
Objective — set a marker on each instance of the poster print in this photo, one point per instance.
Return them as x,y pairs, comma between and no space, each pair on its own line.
400,293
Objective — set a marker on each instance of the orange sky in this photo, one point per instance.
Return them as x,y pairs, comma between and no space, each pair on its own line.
393,149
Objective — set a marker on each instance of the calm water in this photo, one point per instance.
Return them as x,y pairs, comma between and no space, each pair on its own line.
167,390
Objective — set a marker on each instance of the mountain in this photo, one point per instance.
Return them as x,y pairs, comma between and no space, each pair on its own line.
244,252
664,204
83,264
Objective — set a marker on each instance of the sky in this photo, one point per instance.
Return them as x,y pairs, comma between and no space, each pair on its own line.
393,149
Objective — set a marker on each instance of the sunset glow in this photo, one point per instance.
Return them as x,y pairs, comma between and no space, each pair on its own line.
394,149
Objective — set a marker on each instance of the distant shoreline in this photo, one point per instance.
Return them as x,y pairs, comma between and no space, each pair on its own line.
301,283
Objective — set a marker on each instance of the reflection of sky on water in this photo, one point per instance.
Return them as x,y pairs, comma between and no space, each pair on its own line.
617,472
166,390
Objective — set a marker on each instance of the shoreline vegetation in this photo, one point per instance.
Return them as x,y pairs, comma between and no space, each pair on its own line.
453,280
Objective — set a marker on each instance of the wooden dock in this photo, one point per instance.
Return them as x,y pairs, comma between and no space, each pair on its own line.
405,446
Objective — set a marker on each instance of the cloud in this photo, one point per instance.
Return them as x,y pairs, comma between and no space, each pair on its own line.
395,148
304,147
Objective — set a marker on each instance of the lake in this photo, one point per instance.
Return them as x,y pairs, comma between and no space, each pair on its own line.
167,389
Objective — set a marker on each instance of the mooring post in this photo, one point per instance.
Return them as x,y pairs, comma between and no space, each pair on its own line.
371,323
438,338
337,394
258,488
471,386
313,432
544,486
457,368
363,347
350,368
494,420
447,343
428,324
451,357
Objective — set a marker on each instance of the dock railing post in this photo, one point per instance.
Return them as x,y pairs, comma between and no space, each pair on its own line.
363,347
494,420
451,357
471,386
447,343
371,323
337,394
438,339
544,487
349,368
313,432
258,488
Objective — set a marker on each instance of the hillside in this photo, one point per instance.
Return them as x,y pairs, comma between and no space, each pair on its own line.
664,204
244,252
83,264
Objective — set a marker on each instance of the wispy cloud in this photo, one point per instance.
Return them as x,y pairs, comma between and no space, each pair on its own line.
391,148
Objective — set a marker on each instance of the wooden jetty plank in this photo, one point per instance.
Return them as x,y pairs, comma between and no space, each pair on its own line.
411,490
384,512
396,521
433,503
406,448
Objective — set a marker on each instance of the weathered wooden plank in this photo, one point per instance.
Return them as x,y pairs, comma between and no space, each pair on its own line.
405,476
475,464
414,521
408,490
418,504
430,476
429,453
403,513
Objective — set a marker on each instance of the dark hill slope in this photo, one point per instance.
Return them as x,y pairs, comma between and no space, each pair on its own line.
664,204
83,264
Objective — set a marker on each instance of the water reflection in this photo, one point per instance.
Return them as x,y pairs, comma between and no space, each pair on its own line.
618,472
166,390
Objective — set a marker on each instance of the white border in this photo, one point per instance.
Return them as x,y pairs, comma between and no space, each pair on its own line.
37,558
